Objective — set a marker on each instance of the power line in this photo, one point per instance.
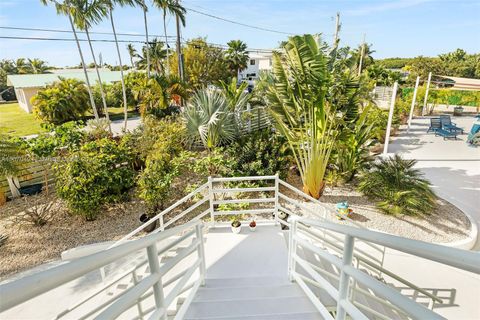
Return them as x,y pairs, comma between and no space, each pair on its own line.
91,32
238,23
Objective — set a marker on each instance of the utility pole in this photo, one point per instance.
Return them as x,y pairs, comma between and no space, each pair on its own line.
361,56
179,51
337,30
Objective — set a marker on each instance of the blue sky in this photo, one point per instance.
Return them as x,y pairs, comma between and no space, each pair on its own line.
404,28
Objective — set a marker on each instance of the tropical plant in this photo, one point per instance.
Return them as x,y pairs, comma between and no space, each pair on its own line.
236,96
236,56
66,9
157,54
300,110
11,155
98,129
62,101
172,7
262,84
100,172
132,52
398,187
38,66
261,153
209,120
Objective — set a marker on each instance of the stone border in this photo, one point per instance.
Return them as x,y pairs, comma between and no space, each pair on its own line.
469,242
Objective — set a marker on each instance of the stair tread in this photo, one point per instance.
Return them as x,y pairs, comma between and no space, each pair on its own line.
245,281
247,292
276,316
250,307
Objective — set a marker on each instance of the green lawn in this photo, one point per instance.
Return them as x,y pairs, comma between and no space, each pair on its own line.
15,121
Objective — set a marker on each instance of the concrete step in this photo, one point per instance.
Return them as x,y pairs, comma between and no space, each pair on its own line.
245,282
276,316
255,308
252,292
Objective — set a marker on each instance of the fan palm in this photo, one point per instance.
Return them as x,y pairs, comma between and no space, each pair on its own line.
209,120
174,8
300,110
64,9
237,56
132,53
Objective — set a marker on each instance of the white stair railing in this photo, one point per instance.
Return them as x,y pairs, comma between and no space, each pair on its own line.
24,289
342,294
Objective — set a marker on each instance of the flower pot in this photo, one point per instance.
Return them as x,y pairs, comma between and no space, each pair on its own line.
457,111
236,229
144,218
252,229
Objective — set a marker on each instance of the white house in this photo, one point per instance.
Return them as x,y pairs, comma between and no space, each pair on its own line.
258,62
27,85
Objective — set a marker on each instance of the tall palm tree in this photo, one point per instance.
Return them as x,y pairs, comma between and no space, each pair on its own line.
111,4
174,8
22,66
38,66
64,9
85,13
157,53
237,56
141,4
132,53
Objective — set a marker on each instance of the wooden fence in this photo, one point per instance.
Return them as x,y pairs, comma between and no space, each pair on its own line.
254,119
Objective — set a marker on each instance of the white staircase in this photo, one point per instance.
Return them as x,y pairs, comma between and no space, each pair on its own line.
251,298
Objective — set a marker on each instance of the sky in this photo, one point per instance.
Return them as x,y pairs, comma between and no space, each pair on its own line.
394,28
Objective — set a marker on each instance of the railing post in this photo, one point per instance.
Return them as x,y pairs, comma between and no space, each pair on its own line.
201,252
139,303
154,264
277,190
344,277
292,248
211,198
162,227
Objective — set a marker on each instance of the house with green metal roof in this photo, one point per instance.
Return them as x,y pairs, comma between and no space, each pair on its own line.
27,85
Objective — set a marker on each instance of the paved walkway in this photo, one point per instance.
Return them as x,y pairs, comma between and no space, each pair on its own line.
452,166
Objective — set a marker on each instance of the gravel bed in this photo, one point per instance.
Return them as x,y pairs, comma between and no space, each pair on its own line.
446,224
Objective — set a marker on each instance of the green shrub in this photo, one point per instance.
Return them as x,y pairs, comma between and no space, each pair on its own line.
398,187
100,172
62,101
261,153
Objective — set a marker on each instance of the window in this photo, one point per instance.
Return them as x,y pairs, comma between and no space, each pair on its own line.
252,62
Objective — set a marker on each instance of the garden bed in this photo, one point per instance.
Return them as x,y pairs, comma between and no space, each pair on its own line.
446,224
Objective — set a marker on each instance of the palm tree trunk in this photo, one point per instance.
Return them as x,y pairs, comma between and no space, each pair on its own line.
92,101
146,39
102,93
166,40
125,107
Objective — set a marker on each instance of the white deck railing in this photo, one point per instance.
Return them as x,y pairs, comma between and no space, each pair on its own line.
303,231
155,245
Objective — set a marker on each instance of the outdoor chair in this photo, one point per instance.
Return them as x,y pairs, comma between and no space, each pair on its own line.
448,125
435,124
475,129
446,134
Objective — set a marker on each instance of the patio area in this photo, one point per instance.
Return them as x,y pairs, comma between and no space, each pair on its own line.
452,166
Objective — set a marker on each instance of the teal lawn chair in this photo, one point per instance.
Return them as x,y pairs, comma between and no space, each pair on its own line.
475,130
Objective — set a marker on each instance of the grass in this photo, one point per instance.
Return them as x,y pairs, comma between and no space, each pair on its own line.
15,121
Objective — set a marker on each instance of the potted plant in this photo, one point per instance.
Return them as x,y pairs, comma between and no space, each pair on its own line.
253,225
283,216
144,218
236,226
457,111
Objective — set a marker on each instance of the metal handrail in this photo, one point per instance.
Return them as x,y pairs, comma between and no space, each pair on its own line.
457,258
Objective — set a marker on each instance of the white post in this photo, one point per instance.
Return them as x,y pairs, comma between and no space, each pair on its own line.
249,121
291,248
426,94
344,277
139,303
201,253
154,265
211,198
277,190
14,185
390,118
413,104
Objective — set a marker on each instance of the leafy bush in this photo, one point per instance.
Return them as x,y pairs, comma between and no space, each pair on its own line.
100,172
63,101
98,128
259,154
398,187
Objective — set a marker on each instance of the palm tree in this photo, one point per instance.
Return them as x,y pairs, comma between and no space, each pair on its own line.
237,56
64,8
38,66
22,66
300,110
132,53
124,90
157,53
236,96
174,8
141,4
85,13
